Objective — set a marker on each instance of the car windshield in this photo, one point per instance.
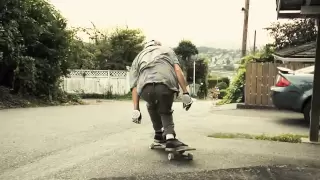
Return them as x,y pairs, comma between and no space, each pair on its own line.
306,70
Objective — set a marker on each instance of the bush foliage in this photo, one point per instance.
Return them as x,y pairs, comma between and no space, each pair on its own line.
37,49
235,92
222,85
34,47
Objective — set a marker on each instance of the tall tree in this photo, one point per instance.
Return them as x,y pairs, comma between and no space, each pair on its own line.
125,45
185,50
81,54
34,46
295,32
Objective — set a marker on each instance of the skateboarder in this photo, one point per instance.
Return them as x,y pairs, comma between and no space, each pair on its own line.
155,76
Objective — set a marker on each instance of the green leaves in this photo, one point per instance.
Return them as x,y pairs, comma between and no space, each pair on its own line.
34,44
235,92
109,51
125,45
295,32
186,49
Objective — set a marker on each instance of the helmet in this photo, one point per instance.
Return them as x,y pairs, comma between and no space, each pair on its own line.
152,43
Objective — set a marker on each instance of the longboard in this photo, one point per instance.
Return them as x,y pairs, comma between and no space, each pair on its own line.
174,152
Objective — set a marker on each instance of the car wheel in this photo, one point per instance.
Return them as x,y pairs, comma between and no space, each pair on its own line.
307,111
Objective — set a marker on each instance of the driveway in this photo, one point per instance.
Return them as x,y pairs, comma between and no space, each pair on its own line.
99,141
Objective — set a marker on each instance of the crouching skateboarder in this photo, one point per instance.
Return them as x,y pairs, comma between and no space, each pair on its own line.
155,76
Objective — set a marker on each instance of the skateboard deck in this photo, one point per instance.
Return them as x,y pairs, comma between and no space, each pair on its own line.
174,152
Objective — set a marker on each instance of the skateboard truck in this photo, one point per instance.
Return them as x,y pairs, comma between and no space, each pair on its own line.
174,153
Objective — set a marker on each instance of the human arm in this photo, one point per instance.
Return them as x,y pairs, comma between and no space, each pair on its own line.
186,99
180,76
135,99
133,76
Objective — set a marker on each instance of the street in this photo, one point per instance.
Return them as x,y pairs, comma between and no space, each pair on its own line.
100,141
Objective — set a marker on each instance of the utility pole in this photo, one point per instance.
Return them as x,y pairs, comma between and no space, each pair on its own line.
254,41
194,74
245,27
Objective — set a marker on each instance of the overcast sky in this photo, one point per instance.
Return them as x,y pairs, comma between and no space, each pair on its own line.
216,23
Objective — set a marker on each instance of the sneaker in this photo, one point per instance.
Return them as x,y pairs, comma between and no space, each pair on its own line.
172,144
158,137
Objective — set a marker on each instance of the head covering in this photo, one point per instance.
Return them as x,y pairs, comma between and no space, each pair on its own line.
152,43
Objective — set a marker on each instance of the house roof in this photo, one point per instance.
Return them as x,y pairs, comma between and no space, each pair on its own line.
307,50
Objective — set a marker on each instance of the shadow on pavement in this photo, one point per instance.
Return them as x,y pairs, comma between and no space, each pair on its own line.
300,122
256,173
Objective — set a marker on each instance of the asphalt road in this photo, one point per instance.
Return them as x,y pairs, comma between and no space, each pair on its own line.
99,141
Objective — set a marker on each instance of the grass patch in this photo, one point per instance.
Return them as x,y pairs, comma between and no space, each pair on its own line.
290,138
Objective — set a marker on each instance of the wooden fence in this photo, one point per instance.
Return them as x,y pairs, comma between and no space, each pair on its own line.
259,78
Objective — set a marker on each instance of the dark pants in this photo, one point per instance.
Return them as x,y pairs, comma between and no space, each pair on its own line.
159,100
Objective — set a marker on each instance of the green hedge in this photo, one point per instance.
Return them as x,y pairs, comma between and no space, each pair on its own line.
223,92
234,93
212,82
222,85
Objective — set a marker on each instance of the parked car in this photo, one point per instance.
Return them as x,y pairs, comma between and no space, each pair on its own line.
293,90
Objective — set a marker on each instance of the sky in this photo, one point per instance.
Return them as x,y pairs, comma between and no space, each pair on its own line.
214,23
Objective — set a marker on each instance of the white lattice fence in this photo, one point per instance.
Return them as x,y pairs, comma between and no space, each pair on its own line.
99,73
97,82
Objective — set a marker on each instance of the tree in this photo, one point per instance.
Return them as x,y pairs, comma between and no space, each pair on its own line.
81,55
125,44
34,46
201,75
295,32
89,55
185,50
106,51
201,71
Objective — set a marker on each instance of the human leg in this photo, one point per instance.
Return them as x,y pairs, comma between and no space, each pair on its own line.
165,98
149,96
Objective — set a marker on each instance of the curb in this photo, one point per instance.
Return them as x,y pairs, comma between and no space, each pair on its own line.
307,141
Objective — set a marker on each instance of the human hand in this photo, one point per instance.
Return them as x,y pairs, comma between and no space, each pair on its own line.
186,101
136,116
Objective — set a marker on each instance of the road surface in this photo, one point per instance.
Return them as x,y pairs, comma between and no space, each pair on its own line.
99,141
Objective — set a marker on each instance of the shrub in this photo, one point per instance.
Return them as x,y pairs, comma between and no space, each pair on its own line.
222,85
226,80
235,92
212,82
223,92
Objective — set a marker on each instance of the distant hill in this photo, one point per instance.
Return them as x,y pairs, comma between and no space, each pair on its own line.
220,56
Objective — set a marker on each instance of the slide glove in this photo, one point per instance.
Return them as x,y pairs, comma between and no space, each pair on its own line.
136,116
187,101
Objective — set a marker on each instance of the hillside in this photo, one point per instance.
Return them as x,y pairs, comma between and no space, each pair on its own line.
220,56
223,61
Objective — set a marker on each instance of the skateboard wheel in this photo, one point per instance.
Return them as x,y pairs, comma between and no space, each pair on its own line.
181,152
190,156
170,156
151,146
